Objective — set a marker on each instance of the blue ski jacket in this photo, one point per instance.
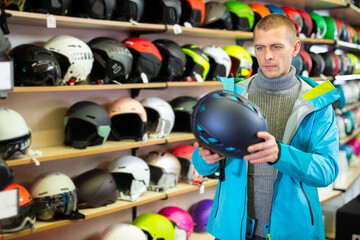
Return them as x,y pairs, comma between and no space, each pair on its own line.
308,159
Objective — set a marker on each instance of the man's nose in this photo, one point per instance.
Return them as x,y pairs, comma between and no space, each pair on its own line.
268,54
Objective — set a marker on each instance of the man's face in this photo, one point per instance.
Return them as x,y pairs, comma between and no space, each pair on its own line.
274,51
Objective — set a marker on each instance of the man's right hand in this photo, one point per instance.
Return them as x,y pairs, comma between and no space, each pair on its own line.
207,155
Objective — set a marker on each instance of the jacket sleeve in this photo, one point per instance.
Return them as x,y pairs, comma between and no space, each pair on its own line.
317,163
201,166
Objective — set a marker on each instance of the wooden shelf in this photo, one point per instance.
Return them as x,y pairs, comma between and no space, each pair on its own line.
201,236
38,19
326,196
84,87
349,15
119,205
344,183
346,139
62,152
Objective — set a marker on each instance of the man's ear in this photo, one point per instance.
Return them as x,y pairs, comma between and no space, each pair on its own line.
297,46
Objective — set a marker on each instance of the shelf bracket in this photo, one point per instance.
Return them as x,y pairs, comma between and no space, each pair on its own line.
134,213
138,33
3,20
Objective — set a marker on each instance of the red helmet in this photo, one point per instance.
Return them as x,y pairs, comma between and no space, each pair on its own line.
340,28
307,22
147,59
193,12
295,17
306,59
188,172
26,217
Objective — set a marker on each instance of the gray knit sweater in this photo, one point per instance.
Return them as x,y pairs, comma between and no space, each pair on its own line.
275,97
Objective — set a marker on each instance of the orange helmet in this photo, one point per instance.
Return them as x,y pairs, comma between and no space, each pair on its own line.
260,11
26,217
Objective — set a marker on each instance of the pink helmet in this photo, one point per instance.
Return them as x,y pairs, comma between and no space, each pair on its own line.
180,217
128,119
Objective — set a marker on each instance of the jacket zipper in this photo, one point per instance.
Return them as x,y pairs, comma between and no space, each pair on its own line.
307,199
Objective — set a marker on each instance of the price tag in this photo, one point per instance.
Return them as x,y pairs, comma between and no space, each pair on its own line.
187,24
133,22
202,189
9,203
198,77
51,21
144,78
305,73
177,29
7,76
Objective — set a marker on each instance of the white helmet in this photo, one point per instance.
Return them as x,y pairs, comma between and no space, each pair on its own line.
15,135
123,231
220,62
161,117
54,196
74,56
132,176
164,170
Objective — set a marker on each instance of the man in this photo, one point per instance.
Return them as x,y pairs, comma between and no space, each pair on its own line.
272,192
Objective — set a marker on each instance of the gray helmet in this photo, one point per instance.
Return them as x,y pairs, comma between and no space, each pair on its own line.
95,188
217,16
183,107
129,9
86,124
112,61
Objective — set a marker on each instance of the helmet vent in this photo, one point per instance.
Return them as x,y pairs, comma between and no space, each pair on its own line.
92,117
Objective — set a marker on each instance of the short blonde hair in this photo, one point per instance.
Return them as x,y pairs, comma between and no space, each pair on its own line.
275,20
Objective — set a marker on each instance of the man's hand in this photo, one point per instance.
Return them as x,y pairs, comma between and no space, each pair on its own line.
263,152
207,155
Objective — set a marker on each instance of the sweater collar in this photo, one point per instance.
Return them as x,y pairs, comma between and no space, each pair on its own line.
276,84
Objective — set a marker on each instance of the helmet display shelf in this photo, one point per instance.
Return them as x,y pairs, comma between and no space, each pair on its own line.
91,213
58,153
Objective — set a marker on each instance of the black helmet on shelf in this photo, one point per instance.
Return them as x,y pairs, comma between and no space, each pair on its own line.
56,7
174,60
217,16
215,123
112,61
318,64
95,188
34,65
193,12
126,10
183,107
86,124
147,59
98,9
162,11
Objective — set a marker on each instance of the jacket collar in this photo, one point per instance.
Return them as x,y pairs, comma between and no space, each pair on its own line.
316,95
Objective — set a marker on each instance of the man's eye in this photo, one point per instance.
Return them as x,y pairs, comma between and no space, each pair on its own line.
259,48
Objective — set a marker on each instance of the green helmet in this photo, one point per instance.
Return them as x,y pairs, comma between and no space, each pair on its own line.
331,31
242,15
355,35
319,26
241,61
354,62
155,226
197,63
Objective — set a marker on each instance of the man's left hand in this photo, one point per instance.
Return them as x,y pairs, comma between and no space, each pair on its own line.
262,152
